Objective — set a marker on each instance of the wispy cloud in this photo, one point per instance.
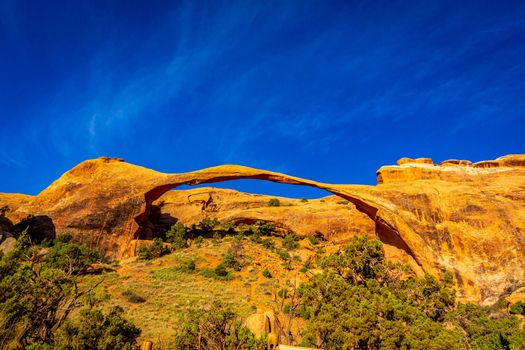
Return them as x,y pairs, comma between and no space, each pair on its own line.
264,83
9,160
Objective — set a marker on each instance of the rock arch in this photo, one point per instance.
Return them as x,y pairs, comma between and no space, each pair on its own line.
368,204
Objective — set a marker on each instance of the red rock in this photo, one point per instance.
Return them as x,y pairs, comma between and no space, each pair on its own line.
468,220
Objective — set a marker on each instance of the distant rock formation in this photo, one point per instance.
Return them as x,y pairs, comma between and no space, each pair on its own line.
457,216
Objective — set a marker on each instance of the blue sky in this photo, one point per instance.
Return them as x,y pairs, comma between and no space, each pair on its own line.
326,90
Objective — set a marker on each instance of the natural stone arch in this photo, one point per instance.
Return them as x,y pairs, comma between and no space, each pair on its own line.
385,230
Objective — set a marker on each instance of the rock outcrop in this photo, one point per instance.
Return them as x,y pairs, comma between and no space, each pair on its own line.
458,216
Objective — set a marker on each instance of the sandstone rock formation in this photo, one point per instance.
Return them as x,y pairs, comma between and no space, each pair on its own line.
262,323
462,217
331,217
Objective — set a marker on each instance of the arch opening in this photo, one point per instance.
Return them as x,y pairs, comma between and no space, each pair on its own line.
383,231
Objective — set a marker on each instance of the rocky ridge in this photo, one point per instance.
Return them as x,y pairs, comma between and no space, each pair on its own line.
457,216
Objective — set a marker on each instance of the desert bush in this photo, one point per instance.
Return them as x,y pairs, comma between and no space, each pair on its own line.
220,272
256,238
133,297
518,308
266,273
198,241
359,292
176,235
39,289
152,251
208,225
230,260
268,244
290,241
188,266
215,327
307,265
274,202
98,331
284,255
313,240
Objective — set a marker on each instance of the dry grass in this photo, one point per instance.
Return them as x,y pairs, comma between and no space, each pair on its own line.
169,290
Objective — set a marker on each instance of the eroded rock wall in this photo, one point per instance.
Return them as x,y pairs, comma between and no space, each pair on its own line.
458,216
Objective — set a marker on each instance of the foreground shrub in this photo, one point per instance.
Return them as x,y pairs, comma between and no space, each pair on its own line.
133,297
152,251
361,301
219,272
266,273
215,327
518,308
290,241
274,202
176,235
39,289
98,331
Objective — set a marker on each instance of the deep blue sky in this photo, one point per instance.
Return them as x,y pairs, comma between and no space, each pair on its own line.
320,89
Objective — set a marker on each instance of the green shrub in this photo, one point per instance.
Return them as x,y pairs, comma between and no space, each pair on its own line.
283,254
176,235
307,265
40,287
274,202
266,273
303,312
70,257
97,330
290,241
314,240
188,266
256,238
229,227
230,260
198,241
154,250
304,200
370,293
63,238
217,327
518,308
132,297
219,272
268,244
239,237
264,228
207,225
286,308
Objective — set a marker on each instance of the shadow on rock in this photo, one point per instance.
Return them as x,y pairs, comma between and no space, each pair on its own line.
39,228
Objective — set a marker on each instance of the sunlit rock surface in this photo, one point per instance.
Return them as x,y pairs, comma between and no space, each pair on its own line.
458,216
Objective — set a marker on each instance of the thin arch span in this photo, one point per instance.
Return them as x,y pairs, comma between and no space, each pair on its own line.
385,230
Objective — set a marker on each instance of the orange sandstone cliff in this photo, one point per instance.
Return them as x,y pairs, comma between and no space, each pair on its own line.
457,216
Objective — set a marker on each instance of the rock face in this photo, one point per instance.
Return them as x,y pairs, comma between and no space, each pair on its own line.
458,216
331,217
